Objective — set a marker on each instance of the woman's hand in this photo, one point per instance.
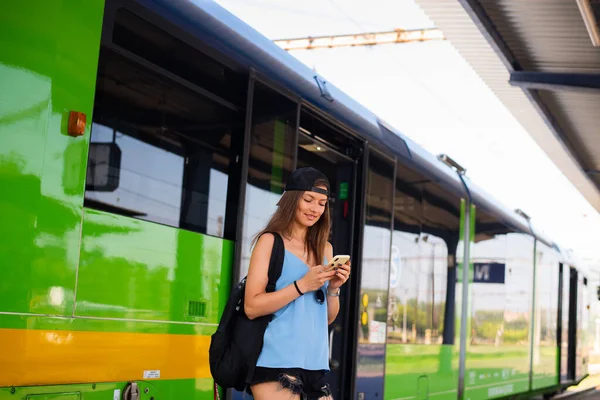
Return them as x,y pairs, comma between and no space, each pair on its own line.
341,276
314,279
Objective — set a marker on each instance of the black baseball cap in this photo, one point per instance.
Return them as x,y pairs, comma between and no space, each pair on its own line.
304,179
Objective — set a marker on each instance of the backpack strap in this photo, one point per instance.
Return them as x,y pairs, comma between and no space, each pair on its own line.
276,262
275,268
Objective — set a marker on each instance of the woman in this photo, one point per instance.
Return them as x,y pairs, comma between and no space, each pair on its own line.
295,353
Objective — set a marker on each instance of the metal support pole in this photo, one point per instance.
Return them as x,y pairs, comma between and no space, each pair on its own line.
465,304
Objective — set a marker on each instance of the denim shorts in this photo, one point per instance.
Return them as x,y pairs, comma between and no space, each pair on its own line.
310,385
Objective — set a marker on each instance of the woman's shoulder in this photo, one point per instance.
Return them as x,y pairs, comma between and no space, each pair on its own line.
265,240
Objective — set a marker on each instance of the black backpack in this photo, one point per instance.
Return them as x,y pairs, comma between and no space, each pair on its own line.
237,343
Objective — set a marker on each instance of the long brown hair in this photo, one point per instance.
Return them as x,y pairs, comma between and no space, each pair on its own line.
282,219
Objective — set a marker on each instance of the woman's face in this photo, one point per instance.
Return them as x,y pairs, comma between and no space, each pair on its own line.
310,207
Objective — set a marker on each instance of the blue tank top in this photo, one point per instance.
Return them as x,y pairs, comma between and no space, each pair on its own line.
297,336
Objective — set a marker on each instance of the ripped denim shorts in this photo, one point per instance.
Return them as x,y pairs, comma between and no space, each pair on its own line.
310,385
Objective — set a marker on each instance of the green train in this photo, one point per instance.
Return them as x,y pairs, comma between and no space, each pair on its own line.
143,143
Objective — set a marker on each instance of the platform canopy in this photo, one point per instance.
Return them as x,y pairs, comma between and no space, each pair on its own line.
541,58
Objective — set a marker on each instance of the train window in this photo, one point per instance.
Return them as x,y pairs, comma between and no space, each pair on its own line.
376,250
405,265
272,150
439,243
425,241
501,292
160,146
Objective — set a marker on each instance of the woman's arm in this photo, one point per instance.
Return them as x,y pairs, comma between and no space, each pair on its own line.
333,302
257,302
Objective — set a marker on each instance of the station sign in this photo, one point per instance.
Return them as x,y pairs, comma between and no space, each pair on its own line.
489,272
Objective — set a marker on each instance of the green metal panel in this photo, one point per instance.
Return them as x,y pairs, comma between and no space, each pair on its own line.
48,62
141,270
432,368
494,372
460,296
423,388
549,380
189,389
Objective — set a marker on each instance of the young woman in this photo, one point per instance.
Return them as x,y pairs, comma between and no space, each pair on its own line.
295,353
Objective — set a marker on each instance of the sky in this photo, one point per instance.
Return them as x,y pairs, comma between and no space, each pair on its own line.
429,93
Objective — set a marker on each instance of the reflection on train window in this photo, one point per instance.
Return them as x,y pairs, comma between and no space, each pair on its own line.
503,280
160,149
488,297
272,149
376,250
424,246
546,297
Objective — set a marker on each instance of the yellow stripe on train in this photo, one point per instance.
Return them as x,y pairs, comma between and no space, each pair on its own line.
42,357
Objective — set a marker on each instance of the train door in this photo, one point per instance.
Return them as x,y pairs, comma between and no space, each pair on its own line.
323,147
281,136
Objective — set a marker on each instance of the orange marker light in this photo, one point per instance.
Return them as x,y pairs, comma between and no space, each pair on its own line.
76,123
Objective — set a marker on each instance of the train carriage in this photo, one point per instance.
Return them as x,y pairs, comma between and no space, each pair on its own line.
144,142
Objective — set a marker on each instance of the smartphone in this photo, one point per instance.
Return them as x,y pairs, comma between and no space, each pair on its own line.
336,262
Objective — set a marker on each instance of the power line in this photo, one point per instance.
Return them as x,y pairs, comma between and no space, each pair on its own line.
346,14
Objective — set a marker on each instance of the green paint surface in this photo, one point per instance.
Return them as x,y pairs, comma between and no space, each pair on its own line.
47,68
496,371
491,372
140,270
189,389
407,365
